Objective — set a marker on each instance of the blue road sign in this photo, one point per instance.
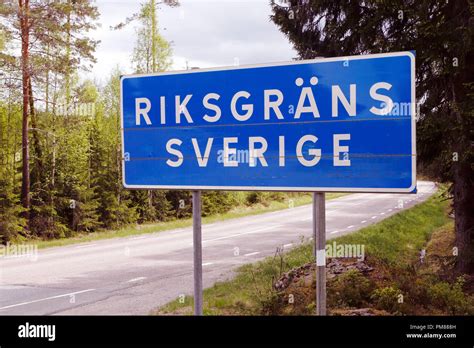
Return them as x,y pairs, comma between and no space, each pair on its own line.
337,124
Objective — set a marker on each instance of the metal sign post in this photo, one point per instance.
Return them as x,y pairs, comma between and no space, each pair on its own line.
197,245
319,236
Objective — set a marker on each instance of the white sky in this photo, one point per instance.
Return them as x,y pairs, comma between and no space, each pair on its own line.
205,33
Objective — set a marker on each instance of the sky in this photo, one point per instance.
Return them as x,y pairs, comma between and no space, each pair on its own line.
203,33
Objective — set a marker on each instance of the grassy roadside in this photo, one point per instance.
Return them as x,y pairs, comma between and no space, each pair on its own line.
237,212
393,245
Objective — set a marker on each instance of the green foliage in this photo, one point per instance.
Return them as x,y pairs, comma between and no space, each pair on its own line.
217,202
386,298
350,289
44,219
143,202
86,211
256,197
11,224
152,53
259,197
181,203
452,298
277,196
161,206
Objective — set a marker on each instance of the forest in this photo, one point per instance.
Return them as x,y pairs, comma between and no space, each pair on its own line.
60,157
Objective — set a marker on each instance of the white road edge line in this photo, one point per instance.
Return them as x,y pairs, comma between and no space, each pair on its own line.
351,226
363,221
251,254
47,298
288,245
208,263
137,238
238,234
136,279
332,232
84,246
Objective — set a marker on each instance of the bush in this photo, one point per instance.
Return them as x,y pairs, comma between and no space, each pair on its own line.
217,202
276,196
386,298
417,288
350,289
451,298
256,198
265,198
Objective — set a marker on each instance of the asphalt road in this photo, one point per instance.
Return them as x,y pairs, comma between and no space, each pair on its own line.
136,274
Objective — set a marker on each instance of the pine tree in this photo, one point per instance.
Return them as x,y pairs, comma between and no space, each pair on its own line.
181,206
11,222
115,206
217,202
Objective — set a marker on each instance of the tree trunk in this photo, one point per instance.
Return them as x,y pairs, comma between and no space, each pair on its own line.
464,217
68,58
153,36
24,25
38,159
47,84
463,183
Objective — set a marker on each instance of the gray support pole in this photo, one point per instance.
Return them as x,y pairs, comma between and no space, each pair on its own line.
319,235
197,244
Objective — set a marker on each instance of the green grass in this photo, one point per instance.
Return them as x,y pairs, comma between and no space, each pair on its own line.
396,239
400,238
237,212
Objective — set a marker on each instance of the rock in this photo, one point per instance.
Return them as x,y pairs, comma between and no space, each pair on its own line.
334,267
